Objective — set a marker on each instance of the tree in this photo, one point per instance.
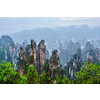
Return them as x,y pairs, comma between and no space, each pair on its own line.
45,79
32,76
46,67
25,66
62,81
9,76
88,74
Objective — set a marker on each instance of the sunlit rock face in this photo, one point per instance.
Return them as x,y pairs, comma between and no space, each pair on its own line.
33,51
41,55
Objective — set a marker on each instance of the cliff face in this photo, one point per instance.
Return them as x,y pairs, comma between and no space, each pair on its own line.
41,54
21,60
54,64
22,54
54,61
74,67
33,52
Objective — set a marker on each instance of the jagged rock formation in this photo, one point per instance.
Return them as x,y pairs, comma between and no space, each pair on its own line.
54,64
74,67
10,50
54,61
22,54
77,46
22,58
41,54
67,52
33,52
88,47
36,56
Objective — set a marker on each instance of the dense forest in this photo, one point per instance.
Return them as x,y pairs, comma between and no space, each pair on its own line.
88,74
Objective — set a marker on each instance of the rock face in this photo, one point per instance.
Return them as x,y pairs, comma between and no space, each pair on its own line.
54,61
22,54
75,62
33,52
5,55
54,64
74,67
41,54
21,58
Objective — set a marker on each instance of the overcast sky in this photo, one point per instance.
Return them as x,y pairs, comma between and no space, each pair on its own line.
15,24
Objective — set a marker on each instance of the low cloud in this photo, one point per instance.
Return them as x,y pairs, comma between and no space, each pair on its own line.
77,18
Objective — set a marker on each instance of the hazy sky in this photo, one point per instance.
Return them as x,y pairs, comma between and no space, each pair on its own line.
15,24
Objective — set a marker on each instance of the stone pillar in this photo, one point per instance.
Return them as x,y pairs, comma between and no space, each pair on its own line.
41,55
33,52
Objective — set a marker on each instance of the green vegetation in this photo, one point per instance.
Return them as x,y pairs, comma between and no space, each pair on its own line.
45,79
9,76
32,76
88,74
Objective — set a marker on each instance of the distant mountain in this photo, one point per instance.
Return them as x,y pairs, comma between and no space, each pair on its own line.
53,35
36,34
56,33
